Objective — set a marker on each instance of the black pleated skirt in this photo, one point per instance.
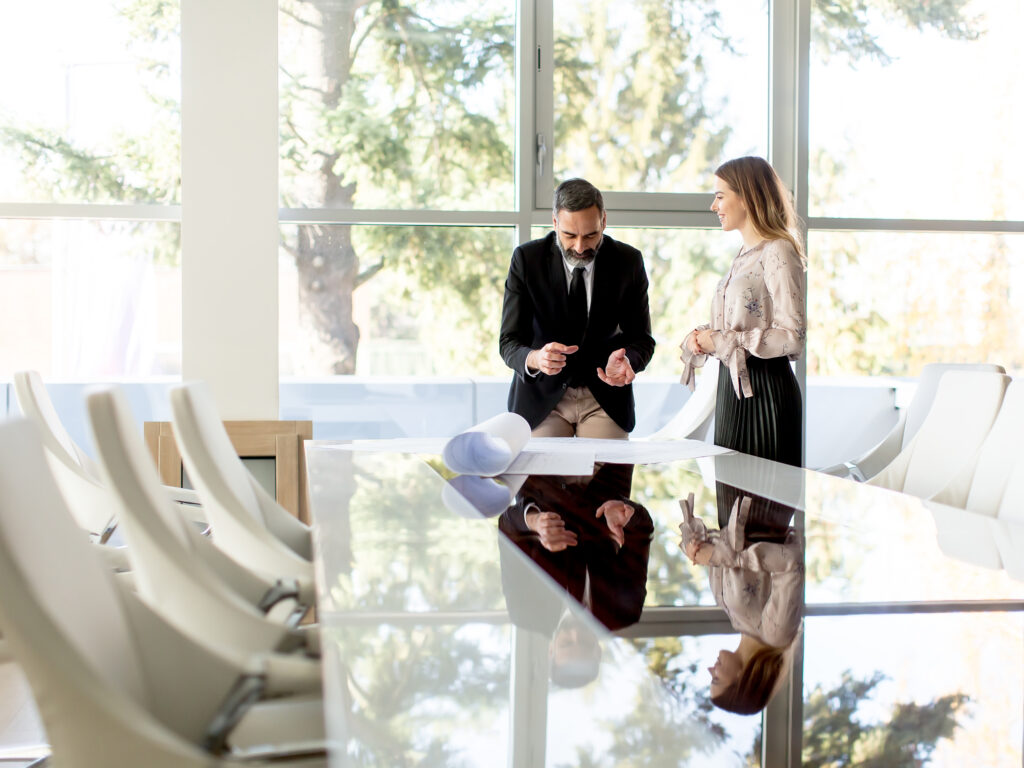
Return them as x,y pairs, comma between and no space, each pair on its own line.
768,521
768,424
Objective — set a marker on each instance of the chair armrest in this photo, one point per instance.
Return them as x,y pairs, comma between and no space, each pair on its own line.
246,691
269,675
183,495
291,674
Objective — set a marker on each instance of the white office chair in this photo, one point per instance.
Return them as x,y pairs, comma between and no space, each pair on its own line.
695,420
169,558
960,418
976,492
908,423
116,685
247,523
966,536
77,474
981,484
1008,527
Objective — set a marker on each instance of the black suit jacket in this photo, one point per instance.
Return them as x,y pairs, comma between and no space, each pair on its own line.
618,576
536,311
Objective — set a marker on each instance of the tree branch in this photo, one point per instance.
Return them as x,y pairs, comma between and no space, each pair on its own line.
366,274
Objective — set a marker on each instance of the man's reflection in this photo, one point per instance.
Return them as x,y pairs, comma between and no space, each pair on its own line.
594,542
756,569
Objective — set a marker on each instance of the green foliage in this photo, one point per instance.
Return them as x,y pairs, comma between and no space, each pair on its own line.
633,100
846,28
834,736
403,104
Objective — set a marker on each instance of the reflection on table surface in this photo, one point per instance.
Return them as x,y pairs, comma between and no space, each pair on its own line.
456,633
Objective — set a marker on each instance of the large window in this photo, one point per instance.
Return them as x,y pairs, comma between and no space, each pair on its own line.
89,175
914,112
429,303
397,105
947,297
420,141
914,197
650,96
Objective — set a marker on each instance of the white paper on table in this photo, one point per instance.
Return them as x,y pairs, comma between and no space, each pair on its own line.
537,460
428,445
627,451
534,461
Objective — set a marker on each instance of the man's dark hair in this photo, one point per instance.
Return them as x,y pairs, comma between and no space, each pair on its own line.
577,195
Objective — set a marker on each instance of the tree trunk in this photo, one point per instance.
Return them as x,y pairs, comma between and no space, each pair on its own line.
326,262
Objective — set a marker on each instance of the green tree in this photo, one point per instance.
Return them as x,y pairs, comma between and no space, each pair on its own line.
410,104
834,737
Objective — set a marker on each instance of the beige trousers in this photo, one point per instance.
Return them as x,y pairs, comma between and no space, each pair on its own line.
579,414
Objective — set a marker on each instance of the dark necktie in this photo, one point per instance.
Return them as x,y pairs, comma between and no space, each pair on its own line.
577,305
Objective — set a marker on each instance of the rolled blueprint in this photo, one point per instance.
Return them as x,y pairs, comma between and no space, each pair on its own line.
489,448
474,496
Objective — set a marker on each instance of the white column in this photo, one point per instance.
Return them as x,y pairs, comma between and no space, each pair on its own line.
229,231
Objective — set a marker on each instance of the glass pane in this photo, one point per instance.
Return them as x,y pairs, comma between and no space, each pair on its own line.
90,102
397,105
90,299
940,689
392,301
651,96
717,737
888,302
914,109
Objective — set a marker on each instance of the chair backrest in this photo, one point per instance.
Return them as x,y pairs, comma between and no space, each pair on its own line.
227,490
1011,506
169,574
1001,451
694,419
966,536
114,684
49,577
206,449
36,406
128,470
76,473
964,409
927,387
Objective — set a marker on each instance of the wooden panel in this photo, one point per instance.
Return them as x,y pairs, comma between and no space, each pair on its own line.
169,461
288,473
279,440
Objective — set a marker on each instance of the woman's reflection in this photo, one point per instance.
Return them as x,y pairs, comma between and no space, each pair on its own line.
756,569
594,543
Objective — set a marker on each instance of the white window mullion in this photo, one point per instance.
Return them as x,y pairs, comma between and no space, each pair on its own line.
542,142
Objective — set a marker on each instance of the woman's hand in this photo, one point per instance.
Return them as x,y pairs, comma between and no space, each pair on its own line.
699,551
701,342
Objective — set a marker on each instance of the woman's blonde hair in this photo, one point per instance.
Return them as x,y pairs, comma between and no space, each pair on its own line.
768,202
757,683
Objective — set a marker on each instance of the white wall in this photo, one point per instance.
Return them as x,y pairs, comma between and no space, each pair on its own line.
229,233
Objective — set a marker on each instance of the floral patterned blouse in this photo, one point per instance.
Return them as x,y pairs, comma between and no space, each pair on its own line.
758,310
759,586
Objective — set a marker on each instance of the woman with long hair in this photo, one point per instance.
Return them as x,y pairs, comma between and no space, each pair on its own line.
759,585
758,320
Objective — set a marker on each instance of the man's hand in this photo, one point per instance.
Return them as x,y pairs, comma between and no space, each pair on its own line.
618,372
550,358
551,529
617,514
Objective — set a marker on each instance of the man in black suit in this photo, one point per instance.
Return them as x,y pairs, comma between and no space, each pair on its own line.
576,324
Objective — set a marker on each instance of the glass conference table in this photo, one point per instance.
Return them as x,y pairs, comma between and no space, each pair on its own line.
451,637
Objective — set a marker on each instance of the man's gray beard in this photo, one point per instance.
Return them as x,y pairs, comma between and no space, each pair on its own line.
578,260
